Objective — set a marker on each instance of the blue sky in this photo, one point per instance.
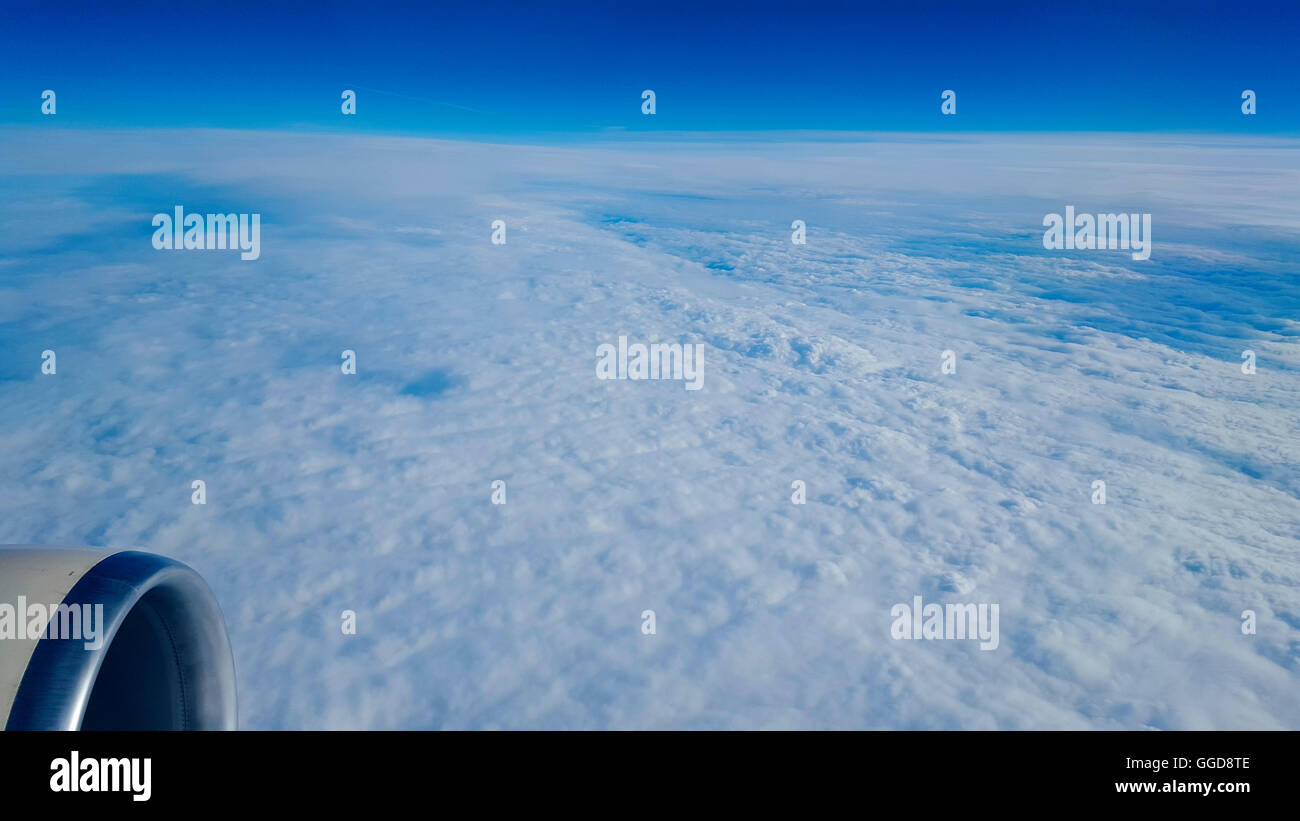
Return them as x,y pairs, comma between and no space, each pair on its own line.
496,69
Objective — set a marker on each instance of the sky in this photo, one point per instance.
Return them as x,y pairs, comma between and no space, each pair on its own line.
579,68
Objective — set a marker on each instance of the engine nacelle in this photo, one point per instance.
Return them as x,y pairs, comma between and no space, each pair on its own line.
110,640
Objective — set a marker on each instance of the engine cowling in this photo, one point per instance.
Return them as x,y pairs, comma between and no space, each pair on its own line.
110,640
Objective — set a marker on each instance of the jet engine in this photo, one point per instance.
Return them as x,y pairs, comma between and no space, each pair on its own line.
94,639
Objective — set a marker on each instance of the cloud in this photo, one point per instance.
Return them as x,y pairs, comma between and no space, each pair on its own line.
372,493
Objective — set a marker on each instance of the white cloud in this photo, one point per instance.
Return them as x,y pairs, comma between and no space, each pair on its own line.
372,493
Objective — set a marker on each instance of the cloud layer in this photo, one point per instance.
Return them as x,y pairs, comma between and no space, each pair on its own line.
476,362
